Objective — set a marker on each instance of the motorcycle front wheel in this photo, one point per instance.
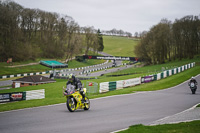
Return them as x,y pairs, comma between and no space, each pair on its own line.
71,104
193,91
87,104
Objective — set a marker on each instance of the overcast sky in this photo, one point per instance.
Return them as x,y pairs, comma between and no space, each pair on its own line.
128,15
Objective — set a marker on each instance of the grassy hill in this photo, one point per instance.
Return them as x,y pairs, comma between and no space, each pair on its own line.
119,46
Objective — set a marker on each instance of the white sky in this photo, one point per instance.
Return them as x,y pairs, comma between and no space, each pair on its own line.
128,15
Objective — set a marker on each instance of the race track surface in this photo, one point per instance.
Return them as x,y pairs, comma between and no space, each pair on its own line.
105,115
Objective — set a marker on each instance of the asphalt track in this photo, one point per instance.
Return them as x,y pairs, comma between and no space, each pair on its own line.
105,115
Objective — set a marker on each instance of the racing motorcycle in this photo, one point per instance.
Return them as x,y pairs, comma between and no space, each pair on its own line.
74,99
193,87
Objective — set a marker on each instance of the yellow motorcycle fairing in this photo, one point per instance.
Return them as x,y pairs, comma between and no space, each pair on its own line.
77,104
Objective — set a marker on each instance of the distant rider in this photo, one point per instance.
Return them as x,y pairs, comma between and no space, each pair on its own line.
78,85
192,80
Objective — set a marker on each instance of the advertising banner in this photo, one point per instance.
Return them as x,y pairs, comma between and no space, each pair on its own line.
5,97
106,57
147,79
132,82
15,96
18,96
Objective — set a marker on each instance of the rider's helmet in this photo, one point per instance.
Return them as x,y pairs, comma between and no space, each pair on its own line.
71,77
192,78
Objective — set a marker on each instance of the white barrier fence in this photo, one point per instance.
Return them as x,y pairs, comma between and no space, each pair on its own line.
35,94
115,85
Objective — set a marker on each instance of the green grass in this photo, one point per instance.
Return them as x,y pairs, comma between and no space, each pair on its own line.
184,127
53,91
152,69
5,70
119,46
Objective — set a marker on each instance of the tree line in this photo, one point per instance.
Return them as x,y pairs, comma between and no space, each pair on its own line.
115,32
32,33
168,41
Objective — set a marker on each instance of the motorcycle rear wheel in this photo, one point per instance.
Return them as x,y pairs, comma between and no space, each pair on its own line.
71,104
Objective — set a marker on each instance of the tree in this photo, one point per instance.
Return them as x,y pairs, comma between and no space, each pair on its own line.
136,34
73,33
91,39
100,41
166,40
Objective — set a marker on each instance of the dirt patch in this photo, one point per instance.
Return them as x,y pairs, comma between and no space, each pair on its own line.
23,65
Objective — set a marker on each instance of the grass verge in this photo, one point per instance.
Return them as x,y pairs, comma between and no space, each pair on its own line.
184,127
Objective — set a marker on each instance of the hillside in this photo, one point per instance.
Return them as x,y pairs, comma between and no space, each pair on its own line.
119,46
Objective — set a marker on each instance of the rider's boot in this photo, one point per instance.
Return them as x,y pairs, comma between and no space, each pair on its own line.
83,100
83,97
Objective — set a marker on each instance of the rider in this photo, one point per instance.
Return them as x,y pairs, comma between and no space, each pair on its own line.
194,81
78,85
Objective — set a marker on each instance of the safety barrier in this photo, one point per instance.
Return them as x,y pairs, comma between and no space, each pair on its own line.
25,74
173,71
115,85
85,72
35,94
51,71
19,96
